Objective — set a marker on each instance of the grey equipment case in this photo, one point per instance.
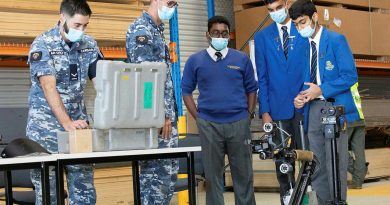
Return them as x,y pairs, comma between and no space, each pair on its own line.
130,103
129,95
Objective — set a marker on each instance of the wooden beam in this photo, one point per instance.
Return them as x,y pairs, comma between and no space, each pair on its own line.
7,63
373,72
22,50
114,52
361,63
14,49
364,66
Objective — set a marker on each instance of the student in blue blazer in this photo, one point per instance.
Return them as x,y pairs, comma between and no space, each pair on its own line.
280,70
331,79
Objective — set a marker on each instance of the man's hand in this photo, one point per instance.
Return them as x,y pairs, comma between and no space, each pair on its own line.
313,92
166,130
73,125
299,101
266,117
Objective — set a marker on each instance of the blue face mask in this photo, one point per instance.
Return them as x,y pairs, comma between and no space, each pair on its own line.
166,13
219,43
279,16
73,35
308,30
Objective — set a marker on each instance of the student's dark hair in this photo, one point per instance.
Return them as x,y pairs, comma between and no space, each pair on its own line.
269,1
302,8
72,7
218,19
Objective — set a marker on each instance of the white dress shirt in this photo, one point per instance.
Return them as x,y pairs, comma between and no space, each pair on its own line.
288,24
211,51
316,40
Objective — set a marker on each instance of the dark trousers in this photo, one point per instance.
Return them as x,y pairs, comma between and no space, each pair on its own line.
234,140
292,127
322,180
357,162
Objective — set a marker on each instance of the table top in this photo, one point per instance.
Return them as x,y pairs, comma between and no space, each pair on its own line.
27,159
128,153
55,157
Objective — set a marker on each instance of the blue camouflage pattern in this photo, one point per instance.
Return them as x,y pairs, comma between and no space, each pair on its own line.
145,41
50,55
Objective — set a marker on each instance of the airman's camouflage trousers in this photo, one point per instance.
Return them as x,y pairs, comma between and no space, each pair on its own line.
81,190
158,177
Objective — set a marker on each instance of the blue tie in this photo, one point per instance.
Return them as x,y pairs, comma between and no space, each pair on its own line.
285,41
313,67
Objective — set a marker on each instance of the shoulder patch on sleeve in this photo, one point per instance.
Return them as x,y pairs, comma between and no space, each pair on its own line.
36,56
142,40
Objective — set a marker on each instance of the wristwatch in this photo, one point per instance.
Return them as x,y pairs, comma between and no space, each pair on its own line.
252,114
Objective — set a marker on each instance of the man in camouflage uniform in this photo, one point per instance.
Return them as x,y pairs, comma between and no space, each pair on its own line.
61,60
145,42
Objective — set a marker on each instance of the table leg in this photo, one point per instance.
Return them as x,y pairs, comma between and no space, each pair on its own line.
136,183
8,187
191,178
60,183
45,183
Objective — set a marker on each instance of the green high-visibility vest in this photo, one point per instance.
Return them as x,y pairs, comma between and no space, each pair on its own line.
357,99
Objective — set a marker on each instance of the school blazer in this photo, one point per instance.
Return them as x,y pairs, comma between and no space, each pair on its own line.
338,74
280,79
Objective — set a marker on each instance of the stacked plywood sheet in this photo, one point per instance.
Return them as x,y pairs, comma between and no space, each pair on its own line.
114,186
379,163
377,112
22,20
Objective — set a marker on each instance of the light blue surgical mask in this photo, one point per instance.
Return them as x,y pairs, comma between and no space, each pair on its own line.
73,35
219,43
308,31
166,13
279,16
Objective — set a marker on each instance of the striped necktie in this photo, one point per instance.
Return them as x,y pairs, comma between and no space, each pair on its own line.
313,65
219,55
285,41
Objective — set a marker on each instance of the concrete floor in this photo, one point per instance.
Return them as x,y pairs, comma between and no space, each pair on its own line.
373,193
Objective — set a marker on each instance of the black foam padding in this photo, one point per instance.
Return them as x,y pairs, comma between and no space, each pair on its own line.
22,147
